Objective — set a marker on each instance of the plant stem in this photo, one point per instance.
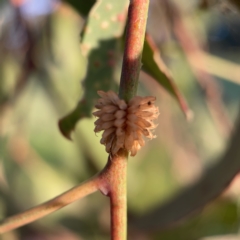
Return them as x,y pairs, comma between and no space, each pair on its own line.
116,169
50,206
135,33
112,180
114,177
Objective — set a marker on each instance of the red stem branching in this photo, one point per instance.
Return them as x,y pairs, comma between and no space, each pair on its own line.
114,182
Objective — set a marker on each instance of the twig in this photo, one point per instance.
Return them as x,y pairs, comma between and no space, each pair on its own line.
50,206
136,28
135,33
114,179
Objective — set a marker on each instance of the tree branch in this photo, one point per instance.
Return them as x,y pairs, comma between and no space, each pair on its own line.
135,33
116,174
114,182
50,206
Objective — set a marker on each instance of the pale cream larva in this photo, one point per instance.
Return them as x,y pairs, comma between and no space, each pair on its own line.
125,125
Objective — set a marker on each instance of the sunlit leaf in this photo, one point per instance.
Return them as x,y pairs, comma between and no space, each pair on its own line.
101,45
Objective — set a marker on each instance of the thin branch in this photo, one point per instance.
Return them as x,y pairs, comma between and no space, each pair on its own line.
114,177
50,206
116,169
136,28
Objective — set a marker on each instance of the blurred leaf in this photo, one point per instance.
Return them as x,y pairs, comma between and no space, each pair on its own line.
225,69
82,6
236,3
197,195
101,45
156,68
218,218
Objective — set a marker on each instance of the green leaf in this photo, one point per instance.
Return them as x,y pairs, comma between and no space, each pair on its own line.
216,219
101,44
156,68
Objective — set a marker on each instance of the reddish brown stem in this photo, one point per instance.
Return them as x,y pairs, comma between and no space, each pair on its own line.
114,178
135,33
46,208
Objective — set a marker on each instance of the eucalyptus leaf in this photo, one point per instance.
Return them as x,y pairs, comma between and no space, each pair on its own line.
101,45
156,68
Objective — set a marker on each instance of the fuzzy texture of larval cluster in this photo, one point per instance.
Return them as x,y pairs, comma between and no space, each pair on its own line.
125,125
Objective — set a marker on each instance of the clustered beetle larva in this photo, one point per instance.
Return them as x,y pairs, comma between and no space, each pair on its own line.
125,125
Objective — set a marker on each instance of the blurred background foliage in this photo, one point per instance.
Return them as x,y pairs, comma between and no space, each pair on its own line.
55,55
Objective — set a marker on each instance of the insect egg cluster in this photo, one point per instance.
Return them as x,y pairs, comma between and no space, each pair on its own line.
124,125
